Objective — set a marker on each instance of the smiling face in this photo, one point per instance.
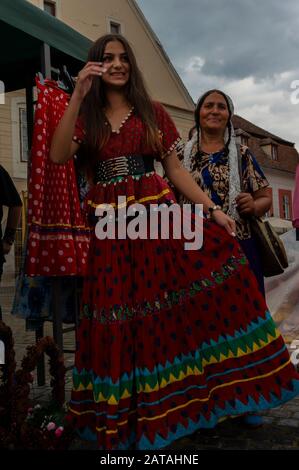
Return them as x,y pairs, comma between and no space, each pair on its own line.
115,60
214,114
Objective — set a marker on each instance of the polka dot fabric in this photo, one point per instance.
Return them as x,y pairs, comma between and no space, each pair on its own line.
58,238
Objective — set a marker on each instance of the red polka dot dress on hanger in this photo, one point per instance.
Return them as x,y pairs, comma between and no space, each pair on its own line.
58,237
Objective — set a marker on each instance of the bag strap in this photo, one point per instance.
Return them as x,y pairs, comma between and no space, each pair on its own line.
241,177
240,165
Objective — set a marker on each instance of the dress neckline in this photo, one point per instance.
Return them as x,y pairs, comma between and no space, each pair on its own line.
117,131
211,153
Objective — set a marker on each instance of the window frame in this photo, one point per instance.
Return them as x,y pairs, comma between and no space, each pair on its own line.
111,21
282,193
286,206
19,165
274,152
23,134
244,140
52,4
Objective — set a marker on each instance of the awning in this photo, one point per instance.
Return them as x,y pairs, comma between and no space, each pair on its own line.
23,29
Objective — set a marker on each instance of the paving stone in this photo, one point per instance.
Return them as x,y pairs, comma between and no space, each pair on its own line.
268,419
289,422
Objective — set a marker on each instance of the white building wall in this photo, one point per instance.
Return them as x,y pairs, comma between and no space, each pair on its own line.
279,180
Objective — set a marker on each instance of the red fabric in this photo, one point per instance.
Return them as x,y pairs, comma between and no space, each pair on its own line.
58,237
149,305
131,141
131,138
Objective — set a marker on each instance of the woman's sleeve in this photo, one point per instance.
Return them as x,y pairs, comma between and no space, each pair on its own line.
79,134
169,135
253,176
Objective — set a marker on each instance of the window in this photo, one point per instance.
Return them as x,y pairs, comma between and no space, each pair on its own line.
270,212
50,7
244,140
115,28
274,153
23,134
285,204
19,141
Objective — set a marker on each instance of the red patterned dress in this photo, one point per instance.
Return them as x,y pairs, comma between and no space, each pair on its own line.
169,340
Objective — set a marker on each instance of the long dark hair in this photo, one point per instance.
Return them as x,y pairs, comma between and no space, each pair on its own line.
197,119
92,108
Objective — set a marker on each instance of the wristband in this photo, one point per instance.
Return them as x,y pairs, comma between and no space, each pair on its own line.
212,209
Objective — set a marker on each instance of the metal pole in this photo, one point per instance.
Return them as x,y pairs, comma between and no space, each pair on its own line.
46,71
29,111
46,60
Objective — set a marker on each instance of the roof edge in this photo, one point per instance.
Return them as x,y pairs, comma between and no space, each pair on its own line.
157,44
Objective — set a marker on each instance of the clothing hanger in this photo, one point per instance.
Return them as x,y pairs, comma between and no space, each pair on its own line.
67,78
63,78
56,75
41,78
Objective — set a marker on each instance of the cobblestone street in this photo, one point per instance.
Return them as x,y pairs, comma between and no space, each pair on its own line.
280,431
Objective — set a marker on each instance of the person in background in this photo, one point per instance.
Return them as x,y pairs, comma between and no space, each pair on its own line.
10,198
212,157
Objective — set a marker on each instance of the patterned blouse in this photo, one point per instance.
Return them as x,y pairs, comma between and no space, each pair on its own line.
211,173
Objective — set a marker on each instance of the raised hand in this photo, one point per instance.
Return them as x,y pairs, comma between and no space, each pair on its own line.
85,77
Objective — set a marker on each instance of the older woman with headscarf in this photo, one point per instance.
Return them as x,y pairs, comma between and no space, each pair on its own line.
213,158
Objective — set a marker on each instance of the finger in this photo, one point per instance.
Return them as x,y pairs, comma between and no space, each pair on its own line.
244,205
94,70
99,65
232,228
230,231
243,199
245,210
93,63
92,67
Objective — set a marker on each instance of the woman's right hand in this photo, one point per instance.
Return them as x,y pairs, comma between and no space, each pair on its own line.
225,221
85,77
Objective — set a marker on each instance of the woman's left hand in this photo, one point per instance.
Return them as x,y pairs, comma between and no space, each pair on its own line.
245,204
225,221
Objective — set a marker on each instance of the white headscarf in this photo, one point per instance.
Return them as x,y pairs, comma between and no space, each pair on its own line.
233,164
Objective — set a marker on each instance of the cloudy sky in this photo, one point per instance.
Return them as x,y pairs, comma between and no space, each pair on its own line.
247,48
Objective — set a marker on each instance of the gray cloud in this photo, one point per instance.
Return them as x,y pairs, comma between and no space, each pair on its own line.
248,48
236,38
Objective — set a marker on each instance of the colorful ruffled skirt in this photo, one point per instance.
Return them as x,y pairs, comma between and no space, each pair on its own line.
170,340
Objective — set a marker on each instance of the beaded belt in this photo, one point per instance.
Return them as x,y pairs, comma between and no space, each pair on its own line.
124,166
